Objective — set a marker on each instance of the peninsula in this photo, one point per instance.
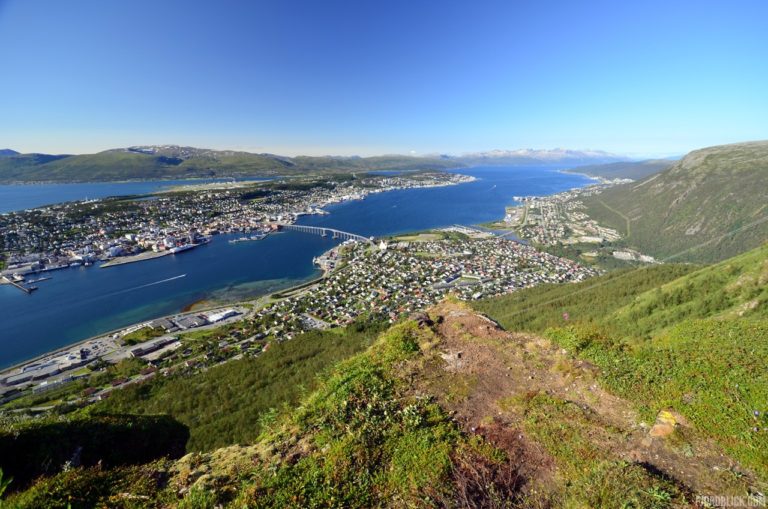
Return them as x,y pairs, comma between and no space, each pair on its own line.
131,229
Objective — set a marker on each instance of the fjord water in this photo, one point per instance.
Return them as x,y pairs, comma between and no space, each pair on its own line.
81,302
481,201
26,196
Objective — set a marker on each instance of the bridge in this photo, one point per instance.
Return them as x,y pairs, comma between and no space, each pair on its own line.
324,232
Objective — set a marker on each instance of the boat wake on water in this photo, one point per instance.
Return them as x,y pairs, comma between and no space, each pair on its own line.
145,285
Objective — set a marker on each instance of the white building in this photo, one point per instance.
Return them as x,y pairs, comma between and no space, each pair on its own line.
221,315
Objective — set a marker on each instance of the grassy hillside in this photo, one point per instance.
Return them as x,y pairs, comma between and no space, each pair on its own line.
707,207
642,302
536,309
368,437
226,404
634,170
38,447
651,390
697,344
171,162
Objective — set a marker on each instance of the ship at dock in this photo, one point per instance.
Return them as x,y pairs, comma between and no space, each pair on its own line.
182,248
260,236
190,245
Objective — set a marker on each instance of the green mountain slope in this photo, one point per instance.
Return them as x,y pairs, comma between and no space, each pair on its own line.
638,303
370,437
697,343
710,205
226,404
634,170
639,388
174,162
40,447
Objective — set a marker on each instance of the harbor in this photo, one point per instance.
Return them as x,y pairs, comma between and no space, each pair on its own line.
56,369
80,303
179,222
18,284
250,238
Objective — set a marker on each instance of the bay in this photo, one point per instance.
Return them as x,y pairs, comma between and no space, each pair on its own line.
81,302
15,197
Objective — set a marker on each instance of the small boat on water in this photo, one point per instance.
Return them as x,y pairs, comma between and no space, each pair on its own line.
38,280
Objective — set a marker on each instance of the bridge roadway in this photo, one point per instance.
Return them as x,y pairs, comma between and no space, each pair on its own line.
323,232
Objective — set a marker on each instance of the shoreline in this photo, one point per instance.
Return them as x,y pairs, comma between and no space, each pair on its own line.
214,305
289,289
131,181
186,185
587,175
320,210
141,257
514,230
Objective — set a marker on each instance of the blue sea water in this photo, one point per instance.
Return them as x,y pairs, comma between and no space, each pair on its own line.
81,302
26,196
481,201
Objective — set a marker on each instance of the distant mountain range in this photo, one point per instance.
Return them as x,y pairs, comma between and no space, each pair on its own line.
7,152
523,157
173,161
708,206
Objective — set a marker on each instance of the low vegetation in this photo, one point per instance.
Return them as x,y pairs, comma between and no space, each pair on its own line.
47,446
695,343
448,410
710,371
536,309
594,478
638,303
224,405
707,207
362,438
141,335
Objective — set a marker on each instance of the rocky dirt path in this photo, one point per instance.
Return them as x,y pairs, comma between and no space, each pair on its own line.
481,371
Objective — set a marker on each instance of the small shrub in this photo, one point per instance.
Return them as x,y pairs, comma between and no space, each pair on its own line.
198,498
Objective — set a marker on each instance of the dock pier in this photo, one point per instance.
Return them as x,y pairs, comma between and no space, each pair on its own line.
17,285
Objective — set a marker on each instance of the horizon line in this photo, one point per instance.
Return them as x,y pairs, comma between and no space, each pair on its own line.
410,153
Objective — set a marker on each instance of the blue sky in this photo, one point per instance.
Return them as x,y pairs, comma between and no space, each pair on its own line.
364,77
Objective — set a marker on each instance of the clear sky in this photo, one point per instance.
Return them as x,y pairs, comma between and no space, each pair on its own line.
358,76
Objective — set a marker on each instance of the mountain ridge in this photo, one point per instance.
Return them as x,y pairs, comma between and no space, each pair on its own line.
175,161
529,156
634,170
706,207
